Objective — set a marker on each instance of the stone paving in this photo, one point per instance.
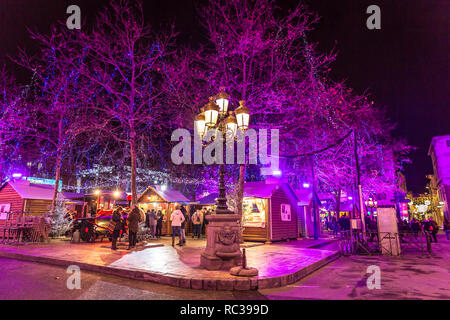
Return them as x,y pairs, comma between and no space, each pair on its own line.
410,276
279,264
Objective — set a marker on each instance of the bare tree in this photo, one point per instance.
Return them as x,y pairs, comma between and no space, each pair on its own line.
124,63
57,113
11,117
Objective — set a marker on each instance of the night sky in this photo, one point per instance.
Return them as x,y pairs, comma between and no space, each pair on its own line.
403,66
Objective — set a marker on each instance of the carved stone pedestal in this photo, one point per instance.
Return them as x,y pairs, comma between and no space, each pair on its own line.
222,245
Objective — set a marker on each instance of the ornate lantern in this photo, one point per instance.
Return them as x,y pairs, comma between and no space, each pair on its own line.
211,113
242,116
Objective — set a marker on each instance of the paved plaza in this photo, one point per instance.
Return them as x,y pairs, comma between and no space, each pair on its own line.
279,264
412,276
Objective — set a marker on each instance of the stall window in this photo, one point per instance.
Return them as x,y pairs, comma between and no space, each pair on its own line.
254,212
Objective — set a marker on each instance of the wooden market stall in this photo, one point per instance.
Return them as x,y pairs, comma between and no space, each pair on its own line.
22,197
270,211
22,208
306,211
164,199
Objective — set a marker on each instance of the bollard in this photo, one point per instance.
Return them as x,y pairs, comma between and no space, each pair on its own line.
428,242
244,259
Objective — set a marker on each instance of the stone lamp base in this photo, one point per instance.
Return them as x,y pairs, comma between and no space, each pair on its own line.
222,244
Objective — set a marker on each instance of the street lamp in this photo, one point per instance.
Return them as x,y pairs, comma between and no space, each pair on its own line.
211,113
371,204
216,116
200,123
222,99
231,125
242,116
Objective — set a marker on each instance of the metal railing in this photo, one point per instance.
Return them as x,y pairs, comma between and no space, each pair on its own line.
387,243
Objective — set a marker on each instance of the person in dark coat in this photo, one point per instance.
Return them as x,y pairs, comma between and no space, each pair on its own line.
343,222
159,222
184,224
334,224
434,229
153,223
203,227
147,219
205,220
447,226
415,227
133,226
118,219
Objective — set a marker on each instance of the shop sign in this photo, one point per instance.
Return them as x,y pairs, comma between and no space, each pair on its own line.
285,212
4,210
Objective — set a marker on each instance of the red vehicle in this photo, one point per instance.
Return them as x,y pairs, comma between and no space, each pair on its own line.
97,214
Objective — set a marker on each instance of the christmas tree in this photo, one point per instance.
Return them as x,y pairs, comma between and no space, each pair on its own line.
61,221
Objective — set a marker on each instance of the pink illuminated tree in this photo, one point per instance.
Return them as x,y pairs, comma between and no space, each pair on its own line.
258,57
56,112
261,55
124,65
11,118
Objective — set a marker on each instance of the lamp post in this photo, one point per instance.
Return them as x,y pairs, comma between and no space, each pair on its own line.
222,245
215,115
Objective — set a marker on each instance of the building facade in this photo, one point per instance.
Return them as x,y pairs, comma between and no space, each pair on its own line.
439,152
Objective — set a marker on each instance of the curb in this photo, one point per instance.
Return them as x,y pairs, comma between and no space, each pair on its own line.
323,244
223,284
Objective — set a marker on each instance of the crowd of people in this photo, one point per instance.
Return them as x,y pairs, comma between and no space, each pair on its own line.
414,226
153,221
180,219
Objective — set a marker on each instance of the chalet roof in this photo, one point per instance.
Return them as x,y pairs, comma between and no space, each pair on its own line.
259,189
304,196
209,199
35,191
170,195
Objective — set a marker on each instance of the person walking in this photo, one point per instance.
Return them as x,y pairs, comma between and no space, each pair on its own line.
434,229
147,219
196,224
202,217
184,223
133,226
118,220
208,212
415,227
159,222
447,226
342,223
177,218
152,223
334,225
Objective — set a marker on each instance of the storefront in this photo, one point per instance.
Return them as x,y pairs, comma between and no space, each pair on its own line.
270,212
164,199
31,199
